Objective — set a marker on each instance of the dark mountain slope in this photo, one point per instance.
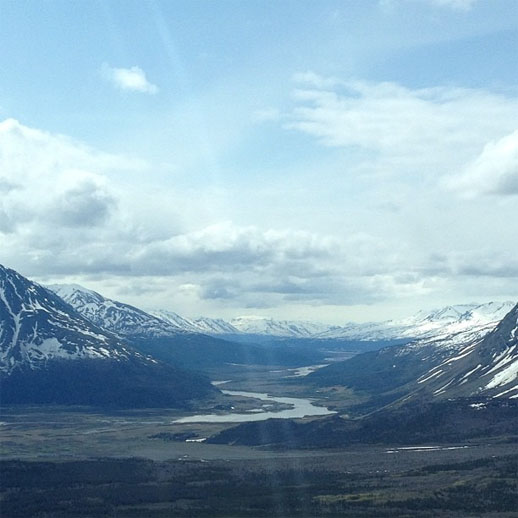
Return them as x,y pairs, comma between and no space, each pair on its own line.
486,368
49,353
173,340
471,391
469,363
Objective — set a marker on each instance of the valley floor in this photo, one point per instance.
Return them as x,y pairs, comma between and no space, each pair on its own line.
69,463
372,482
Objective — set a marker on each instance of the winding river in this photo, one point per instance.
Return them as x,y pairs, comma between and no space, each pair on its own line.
299,407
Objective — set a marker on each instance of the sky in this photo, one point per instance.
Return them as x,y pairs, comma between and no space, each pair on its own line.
332,161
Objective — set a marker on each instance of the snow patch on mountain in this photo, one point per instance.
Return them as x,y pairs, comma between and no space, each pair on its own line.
215,326
123,319
486,366
442,322
181,323
282,328
36,326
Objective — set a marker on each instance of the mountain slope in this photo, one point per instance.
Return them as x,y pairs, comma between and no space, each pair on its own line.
176,320
215,326
168,336
281,328
486,368
430,367
49,353
117,317
439,322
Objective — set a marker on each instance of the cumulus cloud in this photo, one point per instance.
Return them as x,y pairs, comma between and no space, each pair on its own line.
63,213
266,115
6,186
66,212
494,171
6,224
83,205
52,177
132,79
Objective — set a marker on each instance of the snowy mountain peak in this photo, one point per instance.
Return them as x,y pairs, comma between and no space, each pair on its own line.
486,367
50,354
181,323
127,320
37,326
282,328
117,317
215,326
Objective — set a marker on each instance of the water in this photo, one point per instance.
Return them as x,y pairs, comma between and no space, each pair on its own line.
299,407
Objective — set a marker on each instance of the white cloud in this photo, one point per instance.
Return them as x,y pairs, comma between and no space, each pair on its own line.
427,130
71,212
65,209
133,79
52,177
494,171
312,79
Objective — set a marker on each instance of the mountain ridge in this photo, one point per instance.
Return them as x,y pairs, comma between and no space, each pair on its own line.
127,320
51,354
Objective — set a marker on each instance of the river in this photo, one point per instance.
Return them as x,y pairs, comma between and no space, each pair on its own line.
299,408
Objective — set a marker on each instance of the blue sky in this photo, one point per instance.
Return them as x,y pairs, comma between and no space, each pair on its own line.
332,161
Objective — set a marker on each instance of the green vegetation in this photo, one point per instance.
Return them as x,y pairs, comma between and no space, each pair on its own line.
313,487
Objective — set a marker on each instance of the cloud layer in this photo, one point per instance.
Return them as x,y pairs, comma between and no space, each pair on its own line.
439,126
68,210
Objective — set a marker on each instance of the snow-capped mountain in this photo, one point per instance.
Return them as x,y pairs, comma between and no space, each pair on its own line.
282,328
49,353
442,322
215,326
450,363
449,327
449,320
181,323
485,367
36,326
120,318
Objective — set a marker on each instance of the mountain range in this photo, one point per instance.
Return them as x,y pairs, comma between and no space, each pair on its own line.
50,353
65,343
130,321
171,338
467,389
478,361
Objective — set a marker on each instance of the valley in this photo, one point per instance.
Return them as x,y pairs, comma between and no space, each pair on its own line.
108,410
68,462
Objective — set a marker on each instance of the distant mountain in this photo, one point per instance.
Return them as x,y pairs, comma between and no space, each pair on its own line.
479,361
215,326
49,353
281,328
444,321
171,338
117,317
172,318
